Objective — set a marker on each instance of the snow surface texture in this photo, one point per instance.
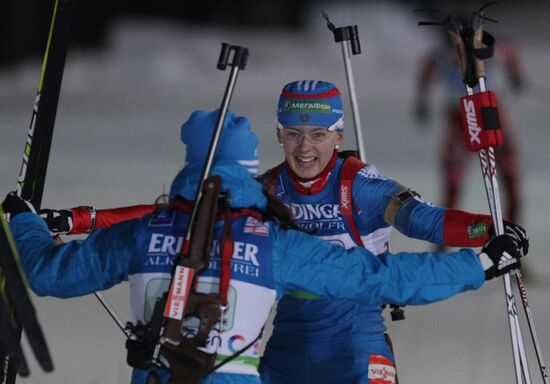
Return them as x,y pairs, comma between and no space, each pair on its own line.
116,143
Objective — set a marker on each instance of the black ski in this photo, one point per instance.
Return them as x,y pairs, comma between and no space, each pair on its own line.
9,334
17,312
30,183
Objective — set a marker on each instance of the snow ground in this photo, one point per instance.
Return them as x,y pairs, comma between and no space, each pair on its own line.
116,143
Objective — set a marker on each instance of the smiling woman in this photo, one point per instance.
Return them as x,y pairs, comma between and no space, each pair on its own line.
309,149
347,203
310,126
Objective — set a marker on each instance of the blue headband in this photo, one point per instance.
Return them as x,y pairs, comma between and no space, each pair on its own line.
310,102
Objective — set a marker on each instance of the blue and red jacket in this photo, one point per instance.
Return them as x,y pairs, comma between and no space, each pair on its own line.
359,213
270,263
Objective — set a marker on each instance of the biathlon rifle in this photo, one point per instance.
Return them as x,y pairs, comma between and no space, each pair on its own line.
163,335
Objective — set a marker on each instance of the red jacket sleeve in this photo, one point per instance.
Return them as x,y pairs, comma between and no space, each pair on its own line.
464,229
84,221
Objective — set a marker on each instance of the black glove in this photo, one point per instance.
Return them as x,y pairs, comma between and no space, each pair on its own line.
518,232
499,255
14,204
58,221
141,346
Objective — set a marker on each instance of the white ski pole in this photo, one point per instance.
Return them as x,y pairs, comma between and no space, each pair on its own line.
480,71
473,71
488,167
348,37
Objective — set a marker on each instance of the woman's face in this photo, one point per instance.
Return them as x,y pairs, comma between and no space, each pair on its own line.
308,149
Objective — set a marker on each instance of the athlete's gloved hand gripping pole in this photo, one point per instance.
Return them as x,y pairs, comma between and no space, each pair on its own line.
482,131
194,257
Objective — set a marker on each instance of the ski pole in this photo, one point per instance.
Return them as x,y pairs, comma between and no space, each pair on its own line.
112,313
531,324
480,70
468,43
348,37
235,57
473,69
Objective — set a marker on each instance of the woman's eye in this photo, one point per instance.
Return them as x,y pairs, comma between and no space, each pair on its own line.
292,135
319,135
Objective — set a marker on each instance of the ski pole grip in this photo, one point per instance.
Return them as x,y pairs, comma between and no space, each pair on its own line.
354,38
349,33
479,64
239,59
460,50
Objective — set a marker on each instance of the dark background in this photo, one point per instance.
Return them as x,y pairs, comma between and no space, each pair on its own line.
135,72
24,23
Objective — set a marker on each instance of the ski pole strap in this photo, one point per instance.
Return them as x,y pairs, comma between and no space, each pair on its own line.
480,121
487,51
478,49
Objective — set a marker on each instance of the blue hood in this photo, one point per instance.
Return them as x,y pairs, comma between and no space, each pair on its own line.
245,191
